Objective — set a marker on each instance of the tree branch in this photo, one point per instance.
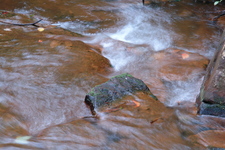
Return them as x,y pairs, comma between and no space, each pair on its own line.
25,24
217,17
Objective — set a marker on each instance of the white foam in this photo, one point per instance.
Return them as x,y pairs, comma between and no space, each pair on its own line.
183,91
116,53
137,26
143,25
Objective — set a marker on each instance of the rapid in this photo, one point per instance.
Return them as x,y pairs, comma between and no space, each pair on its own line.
44,76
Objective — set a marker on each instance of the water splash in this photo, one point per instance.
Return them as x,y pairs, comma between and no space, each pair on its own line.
142,25
140,28
183,91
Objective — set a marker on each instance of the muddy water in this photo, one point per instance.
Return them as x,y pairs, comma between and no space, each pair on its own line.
44,76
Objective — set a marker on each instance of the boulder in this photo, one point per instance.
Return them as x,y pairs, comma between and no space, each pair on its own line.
114,89
211,100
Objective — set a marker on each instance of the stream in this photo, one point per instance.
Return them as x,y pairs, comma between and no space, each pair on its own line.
45,74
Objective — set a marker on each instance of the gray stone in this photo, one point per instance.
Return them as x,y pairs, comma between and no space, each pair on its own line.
212,109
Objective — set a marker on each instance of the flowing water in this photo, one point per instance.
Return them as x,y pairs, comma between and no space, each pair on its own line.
44,76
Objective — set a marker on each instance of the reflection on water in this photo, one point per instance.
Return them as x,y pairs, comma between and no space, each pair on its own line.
44,76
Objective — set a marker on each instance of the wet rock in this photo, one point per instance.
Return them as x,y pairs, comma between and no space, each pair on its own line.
212,109
205,1
185,13
221,22
82,133
78,134
147,2
169,66
197,34
179,64
114,89
90,61
12,124
211,100
210,138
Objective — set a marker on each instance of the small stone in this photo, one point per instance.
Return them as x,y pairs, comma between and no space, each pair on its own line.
40,29
7,29
22,139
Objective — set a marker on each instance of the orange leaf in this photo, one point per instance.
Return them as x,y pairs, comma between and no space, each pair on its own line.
184,55
137,104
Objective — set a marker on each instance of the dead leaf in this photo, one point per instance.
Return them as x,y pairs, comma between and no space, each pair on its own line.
184,55
5,12
156,120
137,104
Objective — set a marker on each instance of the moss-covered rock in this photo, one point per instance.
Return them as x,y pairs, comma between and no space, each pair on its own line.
114,89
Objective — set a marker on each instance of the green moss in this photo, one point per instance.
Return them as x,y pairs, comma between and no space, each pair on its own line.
93,93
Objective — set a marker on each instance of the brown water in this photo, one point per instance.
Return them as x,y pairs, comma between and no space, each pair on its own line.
44,76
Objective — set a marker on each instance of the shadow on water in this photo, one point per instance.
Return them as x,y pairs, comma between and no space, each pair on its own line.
44,76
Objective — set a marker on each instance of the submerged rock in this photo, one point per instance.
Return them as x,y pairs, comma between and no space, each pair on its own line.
221,21
211,100
12,124
212,139
90,60
176,64
114,89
